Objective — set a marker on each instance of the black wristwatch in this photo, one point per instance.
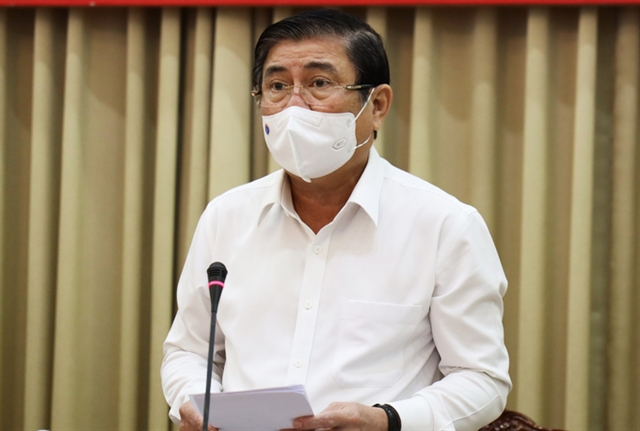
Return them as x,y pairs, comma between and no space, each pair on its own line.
395,424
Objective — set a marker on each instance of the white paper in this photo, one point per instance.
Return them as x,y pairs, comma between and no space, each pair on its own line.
269,409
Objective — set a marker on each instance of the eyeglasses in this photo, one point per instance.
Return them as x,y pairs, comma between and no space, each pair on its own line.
278,93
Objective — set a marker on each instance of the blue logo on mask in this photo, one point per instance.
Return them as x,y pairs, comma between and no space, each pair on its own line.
266,128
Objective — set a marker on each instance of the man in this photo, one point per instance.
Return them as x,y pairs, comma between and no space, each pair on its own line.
346,274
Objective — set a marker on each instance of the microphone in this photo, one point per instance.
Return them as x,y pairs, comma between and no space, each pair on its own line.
216,273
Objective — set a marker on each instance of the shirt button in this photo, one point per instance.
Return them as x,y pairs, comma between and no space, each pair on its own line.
308,305
298,363
317,249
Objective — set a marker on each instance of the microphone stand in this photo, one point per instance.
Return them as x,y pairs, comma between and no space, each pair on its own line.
207,393
216,274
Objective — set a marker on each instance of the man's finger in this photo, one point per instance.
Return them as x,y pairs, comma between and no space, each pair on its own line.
322,421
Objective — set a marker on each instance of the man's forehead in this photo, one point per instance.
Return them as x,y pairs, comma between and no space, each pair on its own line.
312,65
328,54
333,43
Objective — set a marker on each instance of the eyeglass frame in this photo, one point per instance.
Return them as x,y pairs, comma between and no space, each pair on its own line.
290,87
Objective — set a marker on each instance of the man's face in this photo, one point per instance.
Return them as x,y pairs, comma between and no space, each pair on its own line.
305,62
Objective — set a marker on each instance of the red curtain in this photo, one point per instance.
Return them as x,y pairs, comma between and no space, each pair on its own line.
305,2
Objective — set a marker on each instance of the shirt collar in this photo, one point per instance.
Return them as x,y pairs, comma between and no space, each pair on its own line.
278,193
366,193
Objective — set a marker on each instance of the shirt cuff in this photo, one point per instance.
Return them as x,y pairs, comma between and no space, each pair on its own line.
415,414
183,397
174,412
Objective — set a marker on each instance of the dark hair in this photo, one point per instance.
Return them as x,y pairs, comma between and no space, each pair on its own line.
364,46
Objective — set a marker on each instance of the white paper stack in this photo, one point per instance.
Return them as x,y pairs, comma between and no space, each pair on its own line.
270,409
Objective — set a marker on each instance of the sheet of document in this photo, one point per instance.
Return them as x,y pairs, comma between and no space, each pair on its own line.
269,409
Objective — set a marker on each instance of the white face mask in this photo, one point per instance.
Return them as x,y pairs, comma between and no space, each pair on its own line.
311,144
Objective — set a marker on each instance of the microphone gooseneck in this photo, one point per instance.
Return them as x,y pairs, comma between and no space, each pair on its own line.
216,273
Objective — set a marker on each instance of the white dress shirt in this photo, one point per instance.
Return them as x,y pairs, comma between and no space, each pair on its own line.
398,301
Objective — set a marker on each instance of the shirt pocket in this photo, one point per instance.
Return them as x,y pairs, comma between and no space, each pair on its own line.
370,342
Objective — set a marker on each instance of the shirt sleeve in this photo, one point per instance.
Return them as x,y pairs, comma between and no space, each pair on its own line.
186,347
466,318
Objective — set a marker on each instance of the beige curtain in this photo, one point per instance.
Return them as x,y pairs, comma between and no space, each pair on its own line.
118,125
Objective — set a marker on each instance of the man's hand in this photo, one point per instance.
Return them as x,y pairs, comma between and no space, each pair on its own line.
190,420
346,417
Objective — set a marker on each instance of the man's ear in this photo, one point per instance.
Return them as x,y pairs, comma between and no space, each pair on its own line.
381,100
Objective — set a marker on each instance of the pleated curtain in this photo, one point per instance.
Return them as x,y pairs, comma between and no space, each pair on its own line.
118,125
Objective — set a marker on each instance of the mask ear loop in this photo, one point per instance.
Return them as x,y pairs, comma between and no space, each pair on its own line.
357,116
365,141
364,105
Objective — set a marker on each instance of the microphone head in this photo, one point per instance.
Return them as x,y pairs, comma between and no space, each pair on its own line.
217,272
